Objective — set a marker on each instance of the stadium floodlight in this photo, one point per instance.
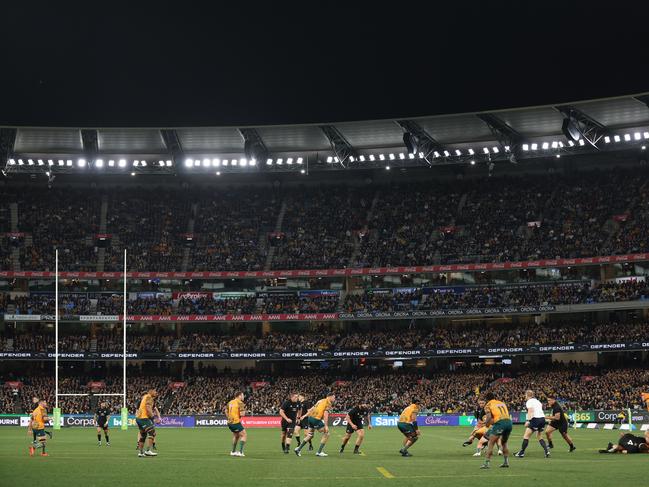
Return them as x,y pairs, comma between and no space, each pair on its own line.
645,135
269,161
68,163
132,174
289,160
136,163
545,146
20,162
558,156
81,162
560,145
402,156
607,139
216,162
279,161
351,159
382,157
197,162
435,154
329,160
507,148
206,162
218,173
302,171
99,163
391,156
161,163
571,143
581,142
30,162
471,152
526,147
253,162
234,162
421,155
411,155
243,162
60,162
225,162
555,144
485,150
458,152
143,163
361,158
495,150
50,162
534,146
169,163
616,138
472,162
643,147
111,163
336,159
627,137
47,173
372,158
122,163
447,153
637,136
40,162
189,163
387,168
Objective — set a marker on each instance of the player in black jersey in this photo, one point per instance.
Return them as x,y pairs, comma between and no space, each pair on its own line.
102,416
558,421
356,419
289,412
629,443
305,405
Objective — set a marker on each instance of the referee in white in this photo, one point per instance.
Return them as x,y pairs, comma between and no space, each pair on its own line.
535,423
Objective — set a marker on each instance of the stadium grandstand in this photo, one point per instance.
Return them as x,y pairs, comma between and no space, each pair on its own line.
435,257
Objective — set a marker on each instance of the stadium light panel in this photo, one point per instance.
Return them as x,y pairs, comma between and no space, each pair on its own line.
555,144
361,158
206,162
485,150
225,162
560,144
421,155
435,154
571,143
627,137
47,173
11,162
581,142
637,136
68,163
234,162
391,157
280,161
61,162
472,162
411,156
253,162
161,163
382,157
81,162
197,162
143,163
458,152
136,163
471,152
218,173
447,153
534,146
302,171
351,159
507,148
336,159
169,163
402,156
526,147
132,174
99,163
607,139
189,163
558,156
50,162
269,161
216,162
30,162
243,162
122,163
111,163
372,158
645,135
495,150
387,168
289,160
545,146
40,162
643,147
616,138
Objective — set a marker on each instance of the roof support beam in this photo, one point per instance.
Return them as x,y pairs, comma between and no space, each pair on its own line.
589,128
173,145
341,147
422,141
90,143
253,145
7,141
507,136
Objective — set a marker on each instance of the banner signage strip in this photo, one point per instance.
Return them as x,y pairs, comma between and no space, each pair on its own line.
330,355
335,272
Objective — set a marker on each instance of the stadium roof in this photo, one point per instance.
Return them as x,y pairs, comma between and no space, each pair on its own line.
619,123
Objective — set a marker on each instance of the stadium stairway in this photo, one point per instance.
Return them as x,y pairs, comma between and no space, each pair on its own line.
101,252
15,252
278,228
357,241
190,230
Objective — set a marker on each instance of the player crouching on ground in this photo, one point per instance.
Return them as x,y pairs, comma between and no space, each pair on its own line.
356,418
234,410
480,431
37,421
407,424
317,419
629,443
144,419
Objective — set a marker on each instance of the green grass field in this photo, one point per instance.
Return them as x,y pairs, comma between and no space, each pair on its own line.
197,457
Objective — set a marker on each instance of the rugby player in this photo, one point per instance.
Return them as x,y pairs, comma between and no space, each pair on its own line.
407,424
303,424
535,424
500,425
35,401
102,416
234,410
317,419
36,426
289,412
558,421
479,430
144,419
629,443
645,399
356,419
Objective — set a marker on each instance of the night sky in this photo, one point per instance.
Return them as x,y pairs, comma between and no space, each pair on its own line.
312,61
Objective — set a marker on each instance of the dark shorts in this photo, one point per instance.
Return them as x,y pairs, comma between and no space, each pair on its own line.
145,424
102,424
236,427
537,424
502,428
406,428
39,433
304,424
351,430
315,423
560,426
286,426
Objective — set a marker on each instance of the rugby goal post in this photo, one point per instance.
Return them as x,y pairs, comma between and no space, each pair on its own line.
56,412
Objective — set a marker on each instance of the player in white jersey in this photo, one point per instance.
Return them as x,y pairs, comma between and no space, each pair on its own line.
535,424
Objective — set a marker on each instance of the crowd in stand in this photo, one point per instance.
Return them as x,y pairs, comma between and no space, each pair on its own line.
368,301
497,219
578,387
373,338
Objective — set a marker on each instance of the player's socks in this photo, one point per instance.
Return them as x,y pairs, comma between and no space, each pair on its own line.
356,449
321,447
342,448
298,440
241,445
283,446
524,446
486,465
572,447
107,440
550,444
234,447
99,438
544,446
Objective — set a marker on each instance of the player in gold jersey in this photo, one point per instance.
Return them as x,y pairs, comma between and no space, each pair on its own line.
500,425
144,418
234,410
407,424
317,419
37,421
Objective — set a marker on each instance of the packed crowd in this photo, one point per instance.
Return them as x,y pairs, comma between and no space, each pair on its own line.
497,219
578,387
368,337
371,300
